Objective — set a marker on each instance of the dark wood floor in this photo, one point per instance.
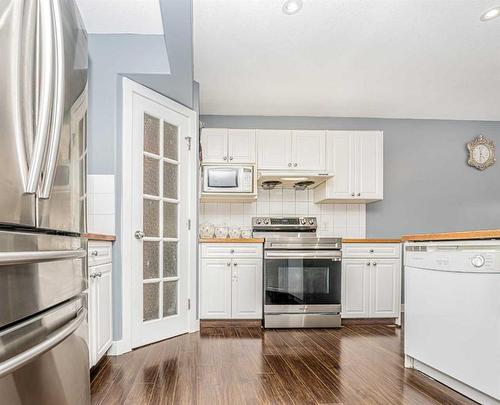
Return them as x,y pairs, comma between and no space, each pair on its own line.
358,364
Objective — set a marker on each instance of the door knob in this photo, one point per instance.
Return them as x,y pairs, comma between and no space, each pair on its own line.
139,235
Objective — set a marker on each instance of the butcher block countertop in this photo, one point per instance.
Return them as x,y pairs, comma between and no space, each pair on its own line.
467,235
229,240
371,240
99,236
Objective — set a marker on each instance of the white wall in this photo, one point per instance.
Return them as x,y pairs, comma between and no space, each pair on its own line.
341,220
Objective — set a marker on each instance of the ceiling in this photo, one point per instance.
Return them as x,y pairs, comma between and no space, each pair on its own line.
121,16
348,58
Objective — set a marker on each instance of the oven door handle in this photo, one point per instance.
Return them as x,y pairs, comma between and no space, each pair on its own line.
315,254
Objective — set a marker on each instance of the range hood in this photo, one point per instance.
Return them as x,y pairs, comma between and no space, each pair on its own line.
298,180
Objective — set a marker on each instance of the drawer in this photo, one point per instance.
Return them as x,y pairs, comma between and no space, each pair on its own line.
253,250
99,253
365,250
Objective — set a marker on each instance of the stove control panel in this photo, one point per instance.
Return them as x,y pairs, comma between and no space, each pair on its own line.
285,222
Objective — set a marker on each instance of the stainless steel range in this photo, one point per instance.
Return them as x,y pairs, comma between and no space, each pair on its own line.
302,274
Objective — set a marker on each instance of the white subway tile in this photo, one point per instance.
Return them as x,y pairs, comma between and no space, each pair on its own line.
310,195
103,204
340,216
325,222
352,215
301,196
101,183
314,209
262,208
276,208
262,195
289,208
288,195
223,213
236,214
276,195
302,208
250,209
103,224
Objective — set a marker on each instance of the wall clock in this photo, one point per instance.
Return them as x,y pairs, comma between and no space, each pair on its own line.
481,153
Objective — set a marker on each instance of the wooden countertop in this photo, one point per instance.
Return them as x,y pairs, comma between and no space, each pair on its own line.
371,240
99,236
228,240
467,235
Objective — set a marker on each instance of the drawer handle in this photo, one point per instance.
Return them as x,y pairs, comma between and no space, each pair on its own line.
368,264
232,251
94,253
374,263
371,250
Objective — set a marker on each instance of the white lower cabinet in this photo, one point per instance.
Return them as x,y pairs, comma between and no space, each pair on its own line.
100,309
371,286
231,286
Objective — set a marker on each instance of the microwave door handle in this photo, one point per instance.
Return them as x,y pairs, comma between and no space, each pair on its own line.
14,363
45,97
58,110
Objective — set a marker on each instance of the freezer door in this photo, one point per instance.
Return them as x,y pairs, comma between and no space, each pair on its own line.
38,271
45,359
17,81
61,202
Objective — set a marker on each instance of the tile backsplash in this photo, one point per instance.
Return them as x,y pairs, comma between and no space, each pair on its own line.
101,204
341,220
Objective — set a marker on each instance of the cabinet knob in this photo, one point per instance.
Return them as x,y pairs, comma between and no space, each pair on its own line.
371,251
368,264
374,263
228,264
289,165
295,165
230,158
232,251
99,274
352,194
92,275
359,194
94,253
235,264
224,158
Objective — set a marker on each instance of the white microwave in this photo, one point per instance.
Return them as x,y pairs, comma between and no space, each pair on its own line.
228,179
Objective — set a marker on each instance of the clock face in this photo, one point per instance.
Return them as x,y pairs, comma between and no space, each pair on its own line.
481,154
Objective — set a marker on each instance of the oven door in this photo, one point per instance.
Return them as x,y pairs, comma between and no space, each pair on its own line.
302,281
222,179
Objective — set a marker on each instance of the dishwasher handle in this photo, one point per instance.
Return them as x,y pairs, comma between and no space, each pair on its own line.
18,361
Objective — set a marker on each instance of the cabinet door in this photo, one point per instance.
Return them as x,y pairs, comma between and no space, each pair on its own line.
103,306
247,289
214,145
215,289
308,150
369,165
274,149
385,288
241,145
355,288
341,163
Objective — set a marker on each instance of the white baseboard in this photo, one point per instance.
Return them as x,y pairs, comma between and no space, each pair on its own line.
119,347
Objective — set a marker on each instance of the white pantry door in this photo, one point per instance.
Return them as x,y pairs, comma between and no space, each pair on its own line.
160,200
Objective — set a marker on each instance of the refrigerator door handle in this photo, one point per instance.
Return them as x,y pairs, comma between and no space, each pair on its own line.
58,109
12,258
16,362
46,77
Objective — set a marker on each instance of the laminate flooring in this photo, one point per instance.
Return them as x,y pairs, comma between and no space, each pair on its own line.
357,364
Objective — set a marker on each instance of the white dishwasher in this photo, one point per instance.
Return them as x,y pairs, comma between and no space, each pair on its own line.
452,315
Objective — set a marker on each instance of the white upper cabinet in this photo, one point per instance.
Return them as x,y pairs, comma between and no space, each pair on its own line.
274,149
222,145
308,150
355,158
241,145
291,150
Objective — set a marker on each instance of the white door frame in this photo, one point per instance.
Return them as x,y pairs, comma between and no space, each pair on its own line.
129,88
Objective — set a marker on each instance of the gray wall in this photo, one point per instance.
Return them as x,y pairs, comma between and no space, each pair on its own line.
428,186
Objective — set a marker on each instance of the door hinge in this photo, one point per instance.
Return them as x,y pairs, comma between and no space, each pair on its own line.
188,140
189,303
189,224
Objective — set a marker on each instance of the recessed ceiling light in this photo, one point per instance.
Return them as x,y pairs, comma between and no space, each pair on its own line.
491,14
292,6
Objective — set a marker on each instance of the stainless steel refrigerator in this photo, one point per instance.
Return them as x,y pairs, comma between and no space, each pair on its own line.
43,275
